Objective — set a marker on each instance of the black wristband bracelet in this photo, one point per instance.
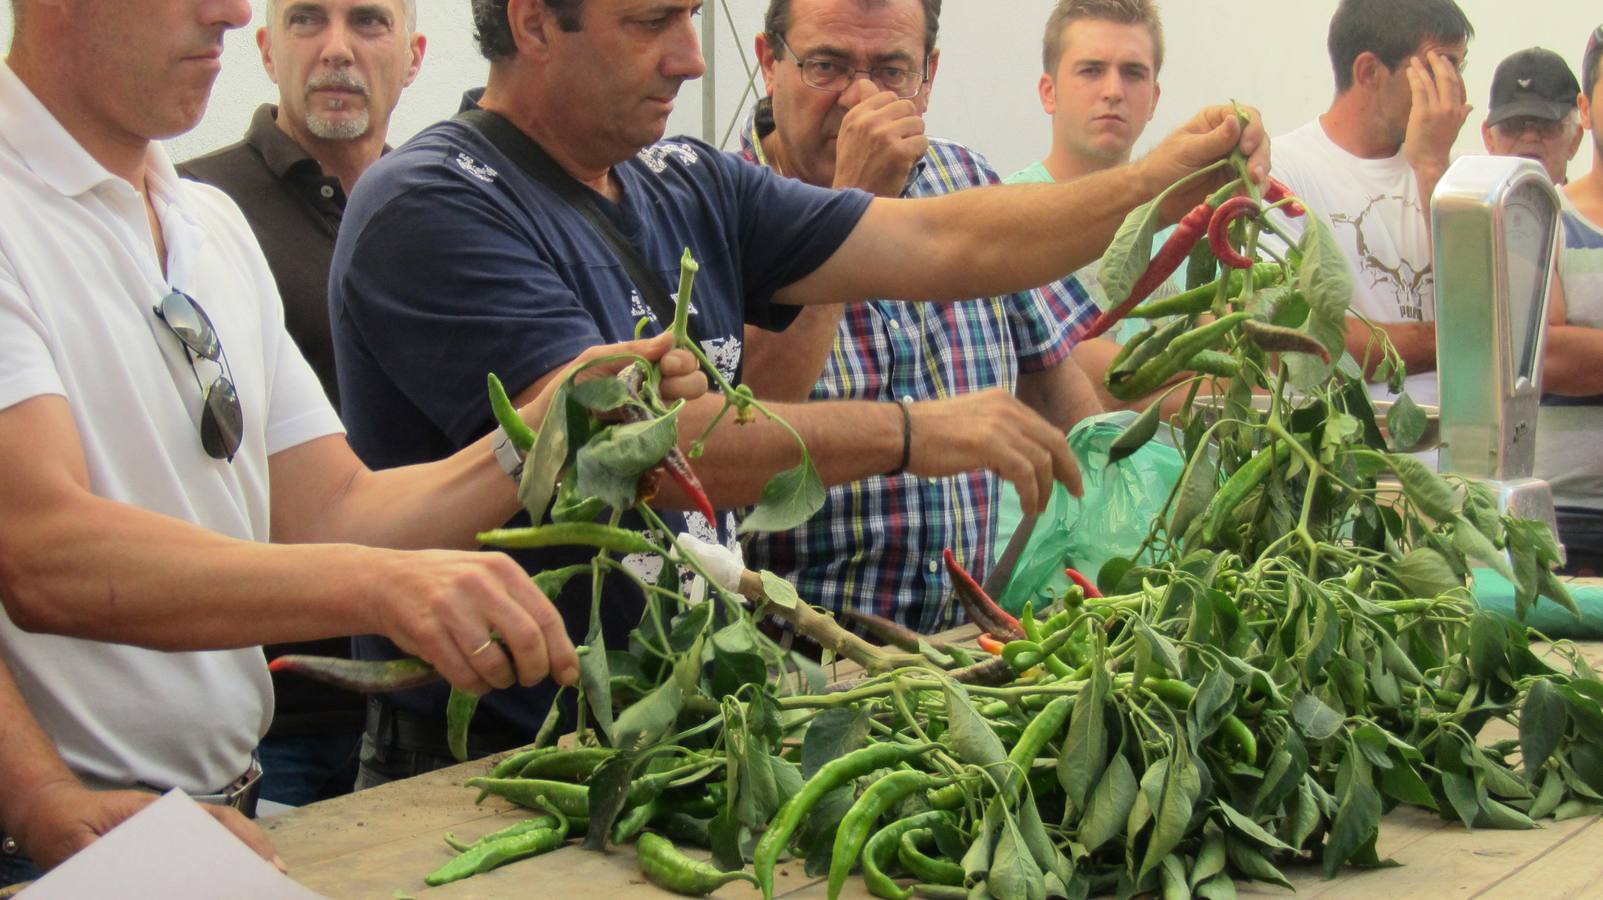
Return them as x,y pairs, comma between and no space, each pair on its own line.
907,440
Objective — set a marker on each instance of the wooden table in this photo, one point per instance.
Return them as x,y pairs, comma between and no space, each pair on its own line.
382,841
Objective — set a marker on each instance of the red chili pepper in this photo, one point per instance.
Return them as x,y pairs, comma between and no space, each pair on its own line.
1174,252
360,675
1219,230
675,464
1085,584
679,470
980,607
1278,192
990,644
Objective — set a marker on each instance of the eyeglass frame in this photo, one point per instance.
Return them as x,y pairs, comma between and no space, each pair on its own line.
1546,129
801,65
218,442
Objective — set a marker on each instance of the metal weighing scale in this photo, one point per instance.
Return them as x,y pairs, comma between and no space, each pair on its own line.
1495,225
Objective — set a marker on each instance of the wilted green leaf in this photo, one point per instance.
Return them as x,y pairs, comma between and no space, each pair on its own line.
1110,804
789,500
1317,720
1128,257
1405,422
1427,573
610,465
1136,435
1542,721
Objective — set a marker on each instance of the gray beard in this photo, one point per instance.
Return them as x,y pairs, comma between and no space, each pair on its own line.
340,129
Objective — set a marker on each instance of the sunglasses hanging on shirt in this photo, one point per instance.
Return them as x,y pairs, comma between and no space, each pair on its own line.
222,420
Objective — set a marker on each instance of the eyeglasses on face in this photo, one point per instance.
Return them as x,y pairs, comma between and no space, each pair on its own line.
834,76
222,419
1519,126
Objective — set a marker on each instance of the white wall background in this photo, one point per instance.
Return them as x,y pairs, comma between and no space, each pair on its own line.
1270,53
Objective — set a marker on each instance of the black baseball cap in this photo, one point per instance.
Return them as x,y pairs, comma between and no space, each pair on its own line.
1534,82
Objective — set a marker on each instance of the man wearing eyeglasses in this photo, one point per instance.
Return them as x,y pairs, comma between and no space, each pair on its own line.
456,258
848,86
1533,111
158,428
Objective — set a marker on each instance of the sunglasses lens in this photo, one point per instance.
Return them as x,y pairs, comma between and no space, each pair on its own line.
222,423
187,320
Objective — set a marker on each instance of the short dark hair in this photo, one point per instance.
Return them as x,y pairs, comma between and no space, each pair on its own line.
777,21
1589,61
1390,29
493,30
1121,12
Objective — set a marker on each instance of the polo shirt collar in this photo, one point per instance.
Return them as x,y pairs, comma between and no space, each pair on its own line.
44,146
278,150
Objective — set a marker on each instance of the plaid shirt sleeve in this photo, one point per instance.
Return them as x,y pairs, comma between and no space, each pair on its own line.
1047,322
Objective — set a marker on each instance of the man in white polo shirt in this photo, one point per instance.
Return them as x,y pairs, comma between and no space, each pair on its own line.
157,426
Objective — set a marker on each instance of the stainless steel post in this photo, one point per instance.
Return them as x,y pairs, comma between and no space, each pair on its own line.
1494,222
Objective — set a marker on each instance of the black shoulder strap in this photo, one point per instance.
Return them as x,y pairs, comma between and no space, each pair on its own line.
539,165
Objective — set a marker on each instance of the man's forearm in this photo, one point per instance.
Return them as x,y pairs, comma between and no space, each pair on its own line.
162,583
1062,394
848,440
1571,367
27,756
785,365
1415,342
976,243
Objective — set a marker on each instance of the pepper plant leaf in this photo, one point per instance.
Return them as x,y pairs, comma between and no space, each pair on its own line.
1130,254
789,500
610,465
1543,718
1405,422
1427,573
1135,436
544,462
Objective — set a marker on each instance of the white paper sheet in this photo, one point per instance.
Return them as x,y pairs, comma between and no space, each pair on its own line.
171,849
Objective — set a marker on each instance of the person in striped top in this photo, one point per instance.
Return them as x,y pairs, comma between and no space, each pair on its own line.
848,85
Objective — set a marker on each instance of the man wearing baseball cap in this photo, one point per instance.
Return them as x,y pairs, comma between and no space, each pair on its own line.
1533,111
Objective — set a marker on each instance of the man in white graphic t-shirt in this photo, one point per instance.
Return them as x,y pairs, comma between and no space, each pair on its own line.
1369,164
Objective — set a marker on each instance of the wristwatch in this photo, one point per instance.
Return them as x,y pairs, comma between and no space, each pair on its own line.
508,455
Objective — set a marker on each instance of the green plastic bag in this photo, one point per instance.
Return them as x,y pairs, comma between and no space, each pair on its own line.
1112,519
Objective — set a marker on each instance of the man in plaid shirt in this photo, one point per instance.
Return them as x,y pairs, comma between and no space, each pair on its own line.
848,83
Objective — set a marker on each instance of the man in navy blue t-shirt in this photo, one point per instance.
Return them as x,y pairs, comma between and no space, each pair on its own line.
453,263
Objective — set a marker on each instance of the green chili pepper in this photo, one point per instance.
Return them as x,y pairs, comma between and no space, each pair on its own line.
882,846
527,825
638,817
684,827
671,870
512,765
1200,299
943,891
853,830
1212,362
577,764
1045,726
459,711
921,865
1155,373
487,855
572,799
567,534
1234,731
832,775
1238,486
1151,348
517,430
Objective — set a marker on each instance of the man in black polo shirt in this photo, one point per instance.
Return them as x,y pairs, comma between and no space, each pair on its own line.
340,66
